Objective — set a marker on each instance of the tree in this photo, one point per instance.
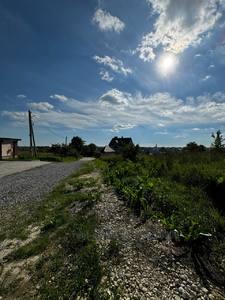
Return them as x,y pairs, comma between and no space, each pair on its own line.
77,143
56,149
194,147
89,150
218,140
92,149
130,152
59,149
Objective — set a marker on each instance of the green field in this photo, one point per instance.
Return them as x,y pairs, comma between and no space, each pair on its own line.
185,191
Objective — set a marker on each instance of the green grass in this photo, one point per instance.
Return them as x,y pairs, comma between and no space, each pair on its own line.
74,262
46,156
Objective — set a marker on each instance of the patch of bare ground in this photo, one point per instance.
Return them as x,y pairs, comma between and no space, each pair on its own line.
142,262
93,175
16,272
10,245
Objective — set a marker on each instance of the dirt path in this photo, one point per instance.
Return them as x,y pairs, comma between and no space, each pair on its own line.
144,264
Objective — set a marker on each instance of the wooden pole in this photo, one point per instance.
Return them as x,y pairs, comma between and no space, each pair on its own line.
0,149
34,144
30,133
33,150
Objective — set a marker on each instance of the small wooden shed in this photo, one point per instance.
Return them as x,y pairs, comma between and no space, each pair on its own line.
8,148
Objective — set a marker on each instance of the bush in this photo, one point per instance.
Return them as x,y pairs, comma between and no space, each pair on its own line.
130,152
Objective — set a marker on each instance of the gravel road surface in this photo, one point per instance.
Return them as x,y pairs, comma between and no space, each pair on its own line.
11,167
35,183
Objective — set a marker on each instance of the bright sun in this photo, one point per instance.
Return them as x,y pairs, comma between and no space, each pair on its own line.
167,64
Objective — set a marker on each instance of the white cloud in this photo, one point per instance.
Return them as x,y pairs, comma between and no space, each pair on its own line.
43,106
21,96
161,132
61,98
119,127
146,53
115,97
20,116
207,77
107,22
180,136
196,129
114,64
211,66
179,25
106,76
117,110
218,97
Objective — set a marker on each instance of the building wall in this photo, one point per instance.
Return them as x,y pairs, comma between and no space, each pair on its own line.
7,150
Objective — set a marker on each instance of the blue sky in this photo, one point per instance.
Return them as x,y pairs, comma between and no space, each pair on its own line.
150,69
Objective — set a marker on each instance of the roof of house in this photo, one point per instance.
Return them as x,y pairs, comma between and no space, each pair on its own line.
108,149
117,143
3,139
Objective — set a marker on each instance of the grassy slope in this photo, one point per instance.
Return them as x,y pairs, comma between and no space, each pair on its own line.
69,262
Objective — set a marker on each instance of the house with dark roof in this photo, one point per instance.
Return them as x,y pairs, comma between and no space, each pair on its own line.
8,148
118,144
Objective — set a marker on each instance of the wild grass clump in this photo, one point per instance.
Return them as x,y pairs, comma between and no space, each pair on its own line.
113,249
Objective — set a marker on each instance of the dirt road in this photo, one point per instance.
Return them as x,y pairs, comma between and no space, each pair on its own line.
35,183
12,167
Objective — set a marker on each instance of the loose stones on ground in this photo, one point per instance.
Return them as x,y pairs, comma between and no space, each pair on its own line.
148,267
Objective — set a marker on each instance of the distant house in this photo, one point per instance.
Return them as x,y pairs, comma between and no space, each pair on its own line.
107,150
8,148
117,143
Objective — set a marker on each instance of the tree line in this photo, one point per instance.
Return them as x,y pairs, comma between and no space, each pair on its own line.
77,147
216,145
125,146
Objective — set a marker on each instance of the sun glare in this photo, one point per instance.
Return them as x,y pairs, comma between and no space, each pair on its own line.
167,64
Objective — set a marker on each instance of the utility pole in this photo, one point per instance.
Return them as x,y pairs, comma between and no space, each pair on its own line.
33,151
66,141
30,133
